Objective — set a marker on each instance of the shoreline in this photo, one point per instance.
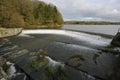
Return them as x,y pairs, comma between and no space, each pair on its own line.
91,23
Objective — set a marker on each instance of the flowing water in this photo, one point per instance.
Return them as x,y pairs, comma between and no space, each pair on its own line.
61,45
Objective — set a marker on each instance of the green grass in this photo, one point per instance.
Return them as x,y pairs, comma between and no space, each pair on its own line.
37,63
55,74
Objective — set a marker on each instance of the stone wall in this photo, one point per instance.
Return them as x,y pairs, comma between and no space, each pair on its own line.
6,32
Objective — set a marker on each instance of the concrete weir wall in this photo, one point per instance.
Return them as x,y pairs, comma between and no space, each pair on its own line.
7,32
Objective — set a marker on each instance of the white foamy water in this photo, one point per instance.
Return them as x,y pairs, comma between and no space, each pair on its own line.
25,35
11,70
92,39
53,62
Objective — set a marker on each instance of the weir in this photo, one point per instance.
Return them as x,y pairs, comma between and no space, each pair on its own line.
6,32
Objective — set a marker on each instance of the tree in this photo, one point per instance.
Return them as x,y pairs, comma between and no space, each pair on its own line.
57,16
8,18
25,13
25,8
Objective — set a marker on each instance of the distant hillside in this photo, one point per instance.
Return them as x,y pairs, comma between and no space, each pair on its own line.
91,23
29,14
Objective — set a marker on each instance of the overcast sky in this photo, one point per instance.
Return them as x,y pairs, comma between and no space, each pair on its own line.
88,10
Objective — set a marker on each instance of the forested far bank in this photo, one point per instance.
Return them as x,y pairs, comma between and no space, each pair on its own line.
29,14
91,23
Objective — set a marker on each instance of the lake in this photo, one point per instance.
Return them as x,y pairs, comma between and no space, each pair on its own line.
104,29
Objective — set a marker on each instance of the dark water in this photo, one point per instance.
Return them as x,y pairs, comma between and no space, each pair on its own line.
60,45
104,29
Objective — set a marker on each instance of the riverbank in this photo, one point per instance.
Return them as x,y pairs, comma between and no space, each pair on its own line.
91,23
7,32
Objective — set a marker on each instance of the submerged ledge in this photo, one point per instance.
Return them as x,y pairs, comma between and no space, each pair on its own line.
94,33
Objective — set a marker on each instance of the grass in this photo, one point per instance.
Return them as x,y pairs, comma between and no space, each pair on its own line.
55,74
37,63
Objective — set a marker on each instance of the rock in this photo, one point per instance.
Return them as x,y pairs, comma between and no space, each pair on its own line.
3,79
20,76
3,75
2,61
116,40
41,52
75,62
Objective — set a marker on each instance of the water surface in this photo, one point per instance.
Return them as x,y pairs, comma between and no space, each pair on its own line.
104,29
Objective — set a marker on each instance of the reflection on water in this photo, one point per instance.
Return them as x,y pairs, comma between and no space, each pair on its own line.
104,29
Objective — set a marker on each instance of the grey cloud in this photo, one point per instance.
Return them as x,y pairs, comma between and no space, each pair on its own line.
108,10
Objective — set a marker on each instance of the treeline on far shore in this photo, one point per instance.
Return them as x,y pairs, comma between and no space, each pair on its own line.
92,23
29,14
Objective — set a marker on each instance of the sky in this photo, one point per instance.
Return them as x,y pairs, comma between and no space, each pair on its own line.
88,10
